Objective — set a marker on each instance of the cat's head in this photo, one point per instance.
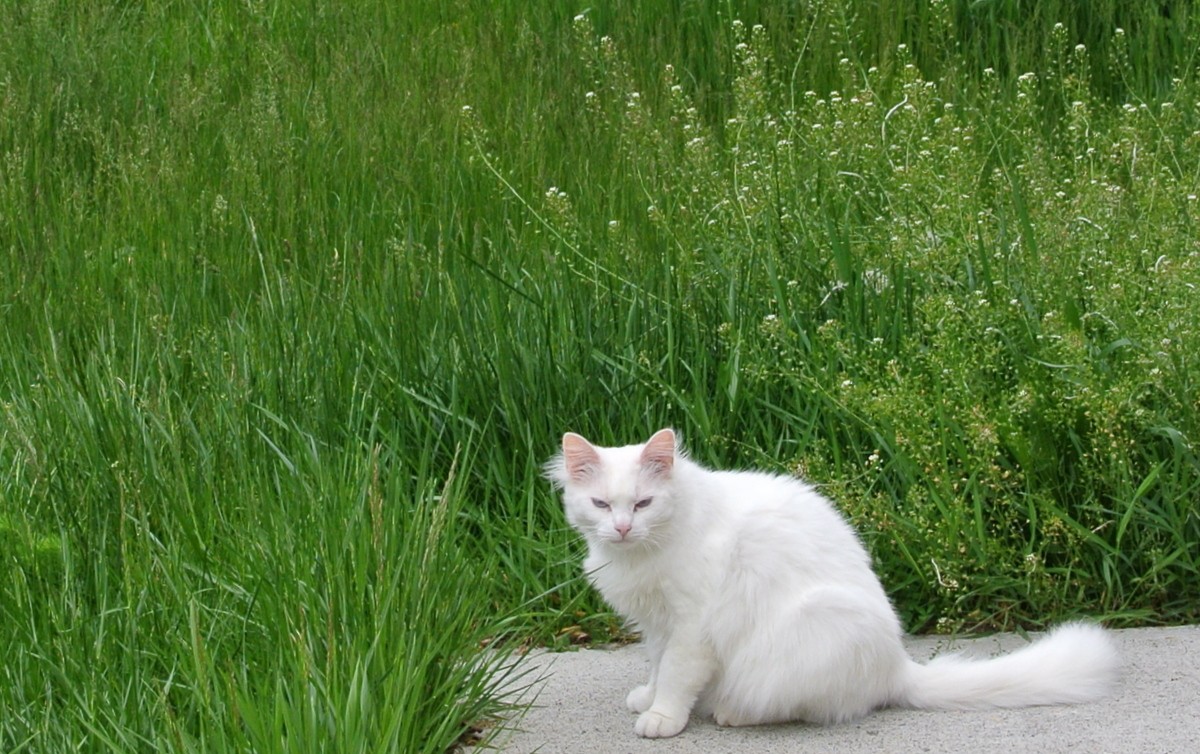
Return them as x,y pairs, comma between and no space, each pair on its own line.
617,496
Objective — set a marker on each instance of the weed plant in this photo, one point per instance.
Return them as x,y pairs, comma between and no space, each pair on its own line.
295,301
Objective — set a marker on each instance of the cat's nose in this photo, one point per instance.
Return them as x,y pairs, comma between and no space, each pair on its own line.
622,527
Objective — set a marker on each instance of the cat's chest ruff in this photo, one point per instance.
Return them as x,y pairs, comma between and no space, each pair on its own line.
646,590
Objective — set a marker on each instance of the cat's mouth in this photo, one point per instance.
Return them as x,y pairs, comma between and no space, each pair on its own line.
629,540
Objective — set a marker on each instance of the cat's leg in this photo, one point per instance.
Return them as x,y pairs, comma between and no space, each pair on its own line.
831,657
640,698
686,667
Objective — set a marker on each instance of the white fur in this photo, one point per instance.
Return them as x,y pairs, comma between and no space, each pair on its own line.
757,602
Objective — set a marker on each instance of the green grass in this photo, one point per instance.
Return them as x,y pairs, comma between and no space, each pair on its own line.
296,300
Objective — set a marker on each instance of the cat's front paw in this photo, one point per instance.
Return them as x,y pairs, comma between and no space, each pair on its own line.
640,699
654,723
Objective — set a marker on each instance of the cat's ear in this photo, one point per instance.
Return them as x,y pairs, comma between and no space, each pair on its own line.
658,455
579,456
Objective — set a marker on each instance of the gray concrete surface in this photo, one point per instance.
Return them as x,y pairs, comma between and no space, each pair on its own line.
580,709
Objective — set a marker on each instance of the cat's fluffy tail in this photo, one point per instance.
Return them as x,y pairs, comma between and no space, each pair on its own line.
1074,663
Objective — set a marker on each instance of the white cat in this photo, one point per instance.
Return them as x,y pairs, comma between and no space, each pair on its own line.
758,604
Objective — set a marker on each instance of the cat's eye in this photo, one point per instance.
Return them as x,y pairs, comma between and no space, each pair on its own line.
643,503
601,504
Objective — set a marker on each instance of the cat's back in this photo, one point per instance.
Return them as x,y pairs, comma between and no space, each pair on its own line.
758,494
783,519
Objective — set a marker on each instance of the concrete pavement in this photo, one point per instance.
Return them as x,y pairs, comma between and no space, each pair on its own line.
580,709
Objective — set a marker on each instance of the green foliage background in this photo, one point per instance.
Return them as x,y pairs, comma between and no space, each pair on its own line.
296,298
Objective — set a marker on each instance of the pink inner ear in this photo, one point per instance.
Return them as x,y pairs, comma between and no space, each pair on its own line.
579,455
659,453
